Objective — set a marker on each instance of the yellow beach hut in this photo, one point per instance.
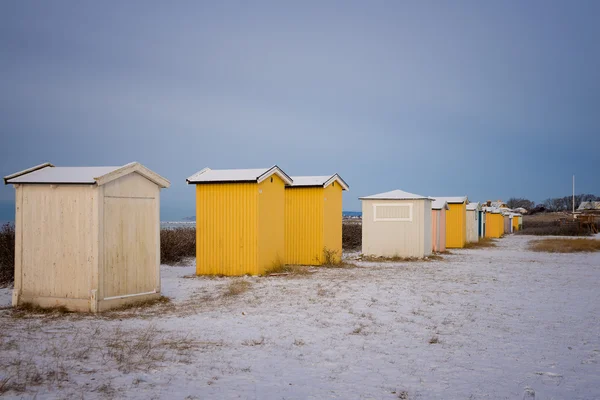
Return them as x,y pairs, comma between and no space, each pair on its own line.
313,219
456,221
239,220
494,223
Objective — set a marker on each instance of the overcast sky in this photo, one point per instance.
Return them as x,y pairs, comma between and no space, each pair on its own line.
485,99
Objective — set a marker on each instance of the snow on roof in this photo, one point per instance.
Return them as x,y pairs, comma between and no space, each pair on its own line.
473,206
453,200
589,205
49,174
396,195
439,204
208,175
323,181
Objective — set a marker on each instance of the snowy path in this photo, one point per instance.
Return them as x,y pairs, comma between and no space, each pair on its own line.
505,319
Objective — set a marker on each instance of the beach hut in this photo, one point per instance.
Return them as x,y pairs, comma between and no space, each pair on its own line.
507,222
239,220
494,223
482,218
456,221
87,238
438,225
473,210
516,222
396,224
313,219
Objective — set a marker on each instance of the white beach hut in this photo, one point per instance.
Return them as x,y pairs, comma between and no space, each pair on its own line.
87,238
473,214
396,224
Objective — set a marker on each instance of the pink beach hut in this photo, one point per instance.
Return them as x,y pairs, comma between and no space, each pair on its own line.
438,225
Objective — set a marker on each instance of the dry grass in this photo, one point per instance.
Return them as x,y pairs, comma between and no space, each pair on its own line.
351,235
67,354
177,244
391,259
565,245
295,270
7,255
162,300
482,243
237,287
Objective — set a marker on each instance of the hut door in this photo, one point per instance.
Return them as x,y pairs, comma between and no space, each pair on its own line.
130,246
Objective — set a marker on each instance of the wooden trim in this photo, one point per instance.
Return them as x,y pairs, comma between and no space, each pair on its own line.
18,284
158,280
130,168
100,264
26,171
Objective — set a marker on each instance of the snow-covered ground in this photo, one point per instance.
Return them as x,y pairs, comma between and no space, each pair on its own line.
498,323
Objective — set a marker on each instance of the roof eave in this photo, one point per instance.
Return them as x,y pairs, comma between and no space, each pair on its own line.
25,171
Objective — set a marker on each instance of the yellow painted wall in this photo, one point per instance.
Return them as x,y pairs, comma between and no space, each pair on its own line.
227,229
456,226
304,210
332,220
494,225
313,223
271,223
515,223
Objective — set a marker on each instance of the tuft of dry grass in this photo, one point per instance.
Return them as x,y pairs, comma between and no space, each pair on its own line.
29,308
282,269
162,300
565,245
237,287
482,243
390,259
434,340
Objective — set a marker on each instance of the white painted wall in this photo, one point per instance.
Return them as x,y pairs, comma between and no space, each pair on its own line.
396,228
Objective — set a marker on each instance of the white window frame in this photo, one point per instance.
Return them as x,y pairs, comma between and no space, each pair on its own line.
410,212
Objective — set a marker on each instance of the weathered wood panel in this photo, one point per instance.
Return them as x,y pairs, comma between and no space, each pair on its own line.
57,245
130,256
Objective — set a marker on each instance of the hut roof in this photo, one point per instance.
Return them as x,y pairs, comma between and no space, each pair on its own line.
439,204
453,200
473,206
396,195
320,181
49,174
589,205
208,175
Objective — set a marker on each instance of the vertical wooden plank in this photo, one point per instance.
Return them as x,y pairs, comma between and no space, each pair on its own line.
18,244
157,227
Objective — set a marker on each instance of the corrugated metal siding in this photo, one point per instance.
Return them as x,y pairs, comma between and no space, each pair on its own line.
397,238
442,217
271,224
304,210
226,229
456,226
494,225
332,219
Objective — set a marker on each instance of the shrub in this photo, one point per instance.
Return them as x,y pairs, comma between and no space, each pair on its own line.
351,236
565,245
177,244
7,254
553,228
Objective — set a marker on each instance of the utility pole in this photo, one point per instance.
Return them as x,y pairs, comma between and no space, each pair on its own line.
573,196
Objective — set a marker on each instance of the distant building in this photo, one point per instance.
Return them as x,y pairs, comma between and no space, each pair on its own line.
589,207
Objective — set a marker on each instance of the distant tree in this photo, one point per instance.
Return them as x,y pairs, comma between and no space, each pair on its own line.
566,203
519,202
